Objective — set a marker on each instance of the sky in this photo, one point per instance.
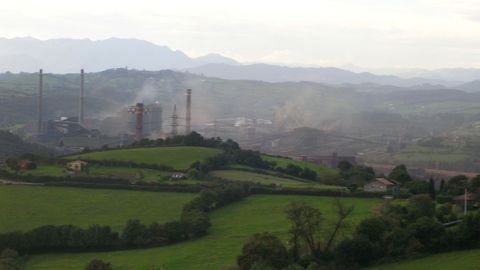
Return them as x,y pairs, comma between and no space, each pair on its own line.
426,34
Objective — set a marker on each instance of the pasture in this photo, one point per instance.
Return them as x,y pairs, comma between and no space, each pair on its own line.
177,157
464,260
26,207
265,179
231,227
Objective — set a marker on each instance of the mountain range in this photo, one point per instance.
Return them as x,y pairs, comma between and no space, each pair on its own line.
70,55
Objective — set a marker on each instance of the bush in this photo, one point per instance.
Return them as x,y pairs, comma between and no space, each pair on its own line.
98,265
428,232
444,198
265,249
294,267
135,234
417,187
468,232
420,206
195,223
444,213
373,229
400,173
8,253
354,253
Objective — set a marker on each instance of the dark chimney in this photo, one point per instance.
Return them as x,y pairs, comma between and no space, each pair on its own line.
82,93
188,112
40,102
139,111
174,124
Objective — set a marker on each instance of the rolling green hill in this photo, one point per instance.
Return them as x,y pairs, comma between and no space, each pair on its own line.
464,260
95,170
178,157
266,179
24,208
231,227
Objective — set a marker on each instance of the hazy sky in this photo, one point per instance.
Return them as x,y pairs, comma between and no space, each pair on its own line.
368,33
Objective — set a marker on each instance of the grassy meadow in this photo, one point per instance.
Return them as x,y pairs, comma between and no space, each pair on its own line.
26,207
464,260
98,171
177,157
422,154
265,179
231,227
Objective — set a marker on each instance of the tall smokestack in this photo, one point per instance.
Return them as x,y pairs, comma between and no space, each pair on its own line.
40,102
82,94
188,112
174,124
140,110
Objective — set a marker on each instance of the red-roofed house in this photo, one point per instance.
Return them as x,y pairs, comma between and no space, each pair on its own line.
23,164
472,200
382,185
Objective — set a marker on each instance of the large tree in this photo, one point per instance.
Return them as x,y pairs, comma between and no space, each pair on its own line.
400,173
305,225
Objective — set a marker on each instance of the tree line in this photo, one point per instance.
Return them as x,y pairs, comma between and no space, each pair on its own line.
399,231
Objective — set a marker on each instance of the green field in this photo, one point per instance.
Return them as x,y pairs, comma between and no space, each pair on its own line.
231,227
178,157
24,208
459,260
269,179
128,173
322,172
99,171
415,153
43,170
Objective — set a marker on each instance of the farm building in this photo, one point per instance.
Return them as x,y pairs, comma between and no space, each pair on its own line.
23,164
472,200
178,176
77,166
382,185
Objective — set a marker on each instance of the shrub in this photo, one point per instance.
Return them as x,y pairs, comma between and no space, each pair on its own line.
420,206
354,252
8,253
98,265
444,198
265,249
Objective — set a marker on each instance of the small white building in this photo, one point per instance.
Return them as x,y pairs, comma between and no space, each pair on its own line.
77,166
178,176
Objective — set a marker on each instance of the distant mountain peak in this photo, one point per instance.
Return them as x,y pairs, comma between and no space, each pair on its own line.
66,55
215,58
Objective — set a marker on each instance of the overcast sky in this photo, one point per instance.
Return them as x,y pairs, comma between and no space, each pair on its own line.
367,33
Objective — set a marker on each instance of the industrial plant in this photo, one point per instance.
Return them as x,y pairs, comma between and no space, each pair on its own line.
138,121
148,119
